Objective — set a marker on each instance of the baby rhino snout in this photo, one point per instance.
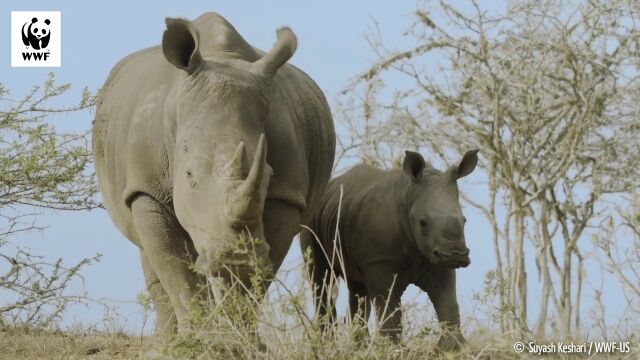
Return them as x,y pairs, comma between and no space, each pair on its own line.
453,258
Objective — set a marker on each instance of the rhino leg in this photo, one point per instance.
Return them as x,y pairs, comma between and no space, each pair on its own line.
169,252
359,309
166,323
384,291
319,273
441,288
281,224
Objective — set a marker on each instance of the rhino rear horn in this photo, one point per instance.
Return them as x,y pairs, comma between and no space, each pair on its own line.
281,52
236,167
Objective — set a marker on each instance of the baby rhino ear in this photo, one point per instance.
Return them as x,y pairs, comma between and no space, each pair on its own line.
413,165
466,165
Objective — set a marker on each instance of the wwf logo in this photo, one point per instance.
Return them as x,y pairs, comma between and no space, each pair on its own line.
36,33
36,39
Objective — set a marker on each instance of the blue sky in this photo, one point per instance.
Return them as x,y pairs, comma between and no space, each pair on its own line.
95,35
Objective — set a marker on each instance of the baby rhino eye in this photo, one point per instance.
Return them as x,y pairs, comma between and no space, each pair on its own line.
423,226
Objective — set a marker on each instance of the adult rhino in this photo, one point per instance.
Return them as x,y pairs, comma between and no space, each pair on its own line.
395,228
201,141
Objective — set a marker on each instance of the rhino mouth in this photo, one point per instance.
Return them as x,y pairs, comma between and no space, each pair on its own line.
235,270
231,265
456,258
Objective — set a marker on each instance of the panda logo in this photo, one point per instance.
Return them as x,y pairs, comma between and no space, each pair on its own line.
37,34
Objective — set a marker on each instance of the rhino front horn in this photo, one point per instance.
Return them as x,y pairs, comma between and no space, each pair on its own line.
249,196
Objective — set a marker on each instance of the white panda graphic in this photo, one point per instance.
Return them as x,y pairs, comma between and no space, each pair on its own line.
37,34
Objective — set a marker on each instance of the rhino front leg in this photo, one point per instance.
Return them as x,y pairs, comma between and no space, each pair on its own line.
169,252
281,223
166,324
320,274
359,309
384,291
441,288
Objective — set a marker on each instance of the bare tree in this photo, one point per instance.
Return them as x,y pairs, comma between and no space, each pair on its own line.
620,245
39,169
548,91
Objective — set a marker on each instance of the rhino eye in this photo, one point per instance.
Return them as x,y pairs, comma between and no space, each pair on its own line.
190,179
464,220
423,226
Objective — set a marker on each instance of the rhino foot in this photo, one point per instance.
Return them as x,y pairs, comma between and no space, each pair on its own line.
450,342
150,349
154,354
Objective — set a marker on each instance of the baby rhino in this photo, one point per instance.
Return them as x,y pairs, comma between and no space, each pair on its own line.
395,228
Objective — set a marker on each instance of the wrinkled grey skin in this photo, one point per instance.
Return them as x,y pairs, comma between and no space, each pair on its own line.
396,228
202,140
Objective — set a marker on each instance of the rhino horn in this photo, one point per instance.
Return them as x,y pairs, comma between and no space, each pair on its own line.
235,168
253,181
282,51
247,199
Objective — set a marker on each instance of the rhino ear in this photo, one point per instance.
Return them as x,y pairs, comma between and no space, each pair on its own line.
281,52
466,166
180,45
413,165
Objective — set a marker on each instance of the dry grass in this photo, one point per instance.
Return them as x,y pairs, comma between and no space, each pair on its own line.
18,344
237,323
53,345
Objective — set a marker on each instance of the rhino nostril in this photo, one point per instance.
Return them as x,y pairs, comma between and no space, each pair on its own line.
452,252
453,227
462,252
